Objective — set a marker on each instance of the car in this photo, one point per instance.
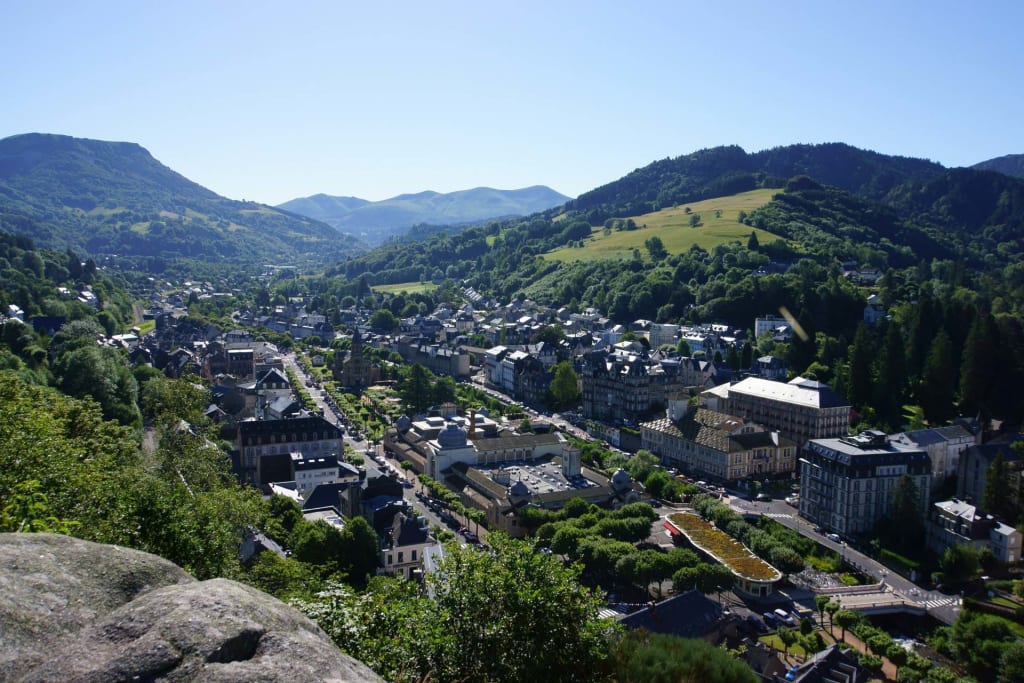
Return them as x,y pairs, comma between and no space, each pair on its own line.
769,618
756,623
784,617
763,497
834,538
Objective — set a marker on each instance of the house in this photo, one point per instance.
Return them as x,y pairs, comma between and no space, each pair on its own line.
771,367
874,310
404,546
976,461
686,615
957,522
771,324
831,665
944,446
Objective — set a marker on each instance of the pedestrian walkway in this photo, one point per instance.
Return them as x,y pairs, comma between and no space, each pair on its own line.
778,515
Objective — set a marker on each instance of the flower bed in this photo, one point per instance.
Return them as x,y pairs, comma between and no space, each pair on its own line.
724,548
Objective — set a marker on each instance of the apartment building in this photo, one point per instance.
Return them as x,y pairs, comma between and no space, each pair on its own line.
847,484
718,446
800,409
266,445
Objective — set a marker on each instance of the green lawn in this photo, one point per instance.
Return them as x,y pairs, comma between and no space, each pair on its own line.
774,641
719,224
407,287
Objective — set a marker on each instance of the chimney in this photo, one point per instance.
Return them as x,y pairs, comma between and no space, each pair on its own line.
472,425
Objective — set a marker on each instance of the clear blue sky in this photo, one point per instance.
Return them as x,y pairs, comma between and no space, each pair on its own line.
269,101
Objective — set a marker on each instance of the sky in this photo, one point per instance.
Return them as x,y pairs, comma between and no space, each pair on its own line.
269,101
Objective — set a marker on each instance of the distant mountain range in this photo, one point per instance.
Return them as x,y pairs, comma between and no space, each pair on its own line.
113,198
377,222
1011,165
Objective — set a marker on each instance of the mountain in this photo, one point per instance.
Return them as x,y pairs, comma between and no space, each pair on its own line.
377,222
723,171
107,198
1010,164
841,205
323,207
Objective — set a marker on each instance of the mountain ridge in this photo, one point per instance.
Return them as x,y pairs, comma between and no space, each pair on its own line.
382,220
114,198
1008,164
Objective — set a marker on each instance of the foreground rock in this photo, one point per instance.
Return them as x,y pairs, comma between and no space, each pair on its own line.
71,610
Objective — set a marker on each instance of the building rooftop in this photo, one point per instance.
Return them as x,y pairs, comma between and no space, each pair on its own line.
798,391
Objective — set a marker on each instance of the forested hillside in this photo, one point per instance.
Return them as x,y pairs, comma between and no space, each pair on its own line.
114,198
1010,164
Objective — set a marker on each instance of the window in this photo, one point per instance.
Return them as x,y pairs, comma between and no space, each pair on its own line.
400,554
413,558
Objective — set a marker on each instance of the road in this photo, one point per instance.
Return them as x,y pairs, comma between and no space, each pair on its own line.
943,607
374,461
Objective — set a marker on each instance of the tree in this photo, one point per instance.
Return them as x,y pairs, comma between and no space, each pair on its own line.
846,618
788,637
959,563
516,596
832,607
978,367
640,466
383,319
1011,664
820,602
862,356
684,348
655,248
416,387
752,242
891,378
641,657
898,655
909,533
565,386
996,496
694,220
936,390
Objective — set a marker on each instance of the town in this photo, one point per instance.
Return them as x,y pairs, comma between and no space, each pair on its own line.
527,412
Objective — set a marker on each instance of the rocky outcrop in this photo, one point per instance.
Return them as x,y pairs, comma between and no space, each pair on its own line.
71,610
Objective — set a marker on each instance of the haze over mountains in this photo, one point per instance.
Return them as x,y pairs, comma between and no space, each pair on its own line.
377,222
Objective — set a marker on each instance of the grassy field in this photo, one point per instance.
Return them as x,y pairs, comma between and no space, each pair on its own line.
718,224
407,287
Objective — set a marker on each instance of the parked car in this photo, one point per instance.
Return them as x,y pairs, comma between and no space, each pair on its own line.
763,497
784,617
756,623
769,618
834,538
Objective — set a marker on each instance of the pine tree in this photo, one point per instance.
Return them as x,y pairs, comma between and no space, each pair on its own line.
978,367
891,377
935,393
996,497
862,354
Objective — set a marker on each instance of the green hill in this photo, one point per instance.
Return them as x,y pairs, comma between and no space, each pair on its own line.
704,224
114,198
